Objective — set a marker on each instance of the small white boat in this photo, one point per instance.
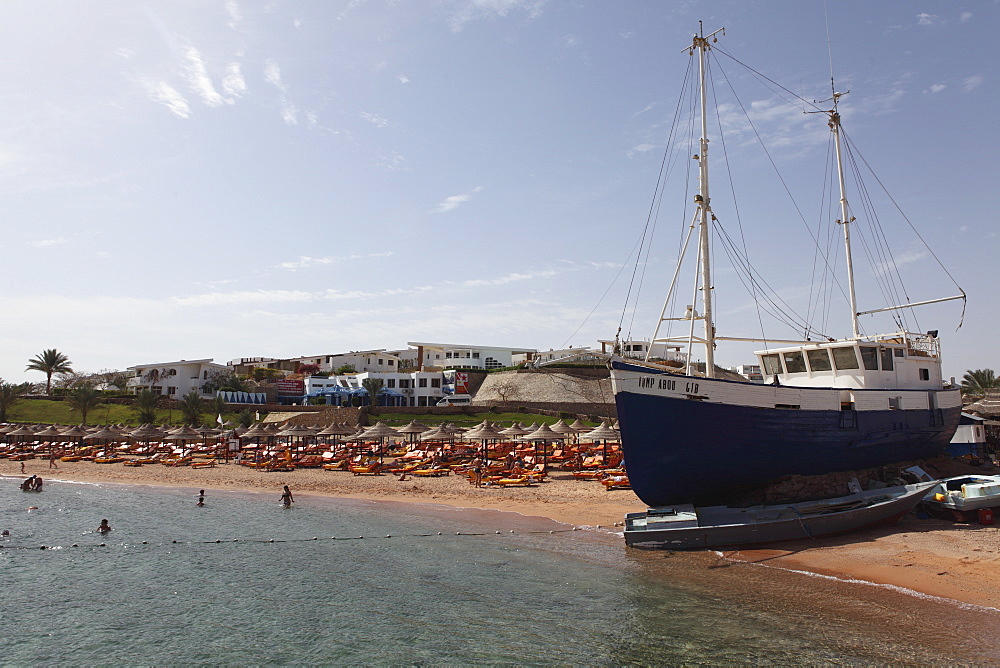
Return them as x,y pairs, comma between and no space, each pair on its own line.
686,527
964,493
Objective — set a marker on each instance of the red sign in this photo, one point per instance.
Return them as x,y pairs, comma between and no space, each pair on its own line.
291,387
461,382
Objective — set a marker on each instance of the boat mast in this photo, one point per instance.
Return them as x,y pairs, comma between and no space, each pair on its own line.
703,202
844,219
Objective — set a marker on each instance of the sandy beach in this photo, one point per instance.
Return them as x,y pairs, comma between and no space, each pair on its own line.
934,557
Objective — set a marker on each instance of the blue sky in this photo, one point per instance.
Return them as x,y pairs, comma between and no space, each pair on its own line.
223,179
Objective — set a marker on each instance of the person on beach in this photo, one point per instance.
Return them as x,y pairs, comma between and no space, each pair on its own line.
28,483
105,527
52,461
37,485
22,468
286,498
201,498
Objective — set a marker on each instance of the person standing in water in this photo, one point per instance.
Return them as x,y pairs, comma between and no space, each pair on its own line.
201,497
286,497
104,528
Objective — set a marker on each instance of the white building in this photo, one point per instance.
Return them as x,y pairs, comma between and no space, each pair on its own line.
362,361
416,388
460,355
175,379
750,372
638,348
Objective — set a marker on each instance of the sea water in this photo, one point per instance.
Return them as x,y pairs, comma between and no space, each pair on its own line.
243,580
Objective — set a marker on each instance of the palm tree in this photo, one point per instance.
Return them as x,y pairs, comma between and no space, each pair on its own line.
975,383
50,362
84,399
192,408
219,405
145,404
245,417
374,386
10,394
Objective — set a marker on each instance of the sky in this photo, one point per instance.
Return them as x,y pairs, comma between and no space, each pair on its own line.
224,178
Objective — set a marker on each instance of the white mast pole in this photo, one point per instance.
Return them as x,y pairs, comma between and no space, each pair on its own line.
844,219
705,210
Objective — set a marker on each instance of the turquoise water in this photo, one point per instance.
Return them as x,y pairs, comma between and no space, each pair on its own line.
162,590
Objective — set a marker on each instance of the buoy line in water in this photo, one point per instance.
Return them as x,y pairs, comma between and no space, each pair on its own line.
229,541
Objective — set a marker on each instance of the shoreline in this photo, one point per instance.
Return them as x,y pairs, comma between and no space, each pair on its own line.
937,558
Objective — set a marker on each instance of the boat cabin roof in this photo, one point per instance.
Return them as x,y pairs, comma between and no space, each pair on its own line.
901,361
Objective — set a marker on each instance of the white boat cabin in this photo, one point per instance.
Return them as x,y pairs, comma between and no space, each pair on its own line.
903,361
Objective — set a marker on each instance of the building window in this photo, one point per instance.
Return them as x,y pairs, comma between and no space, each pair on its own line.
491,363
390,382
421,382
171,391
447,355
421,401
435,382
475,356
925,374
156,389
392,362
380,362
404,382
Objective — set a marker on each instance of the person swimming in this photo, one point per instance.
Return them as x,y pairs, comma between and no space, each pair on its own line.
105,527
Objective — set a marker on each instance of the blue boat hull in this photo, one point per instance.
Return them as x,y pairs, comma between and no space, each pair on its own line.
683,451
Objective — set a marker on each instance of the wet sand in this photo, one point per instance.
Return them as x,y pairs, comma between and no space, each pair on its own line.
960,562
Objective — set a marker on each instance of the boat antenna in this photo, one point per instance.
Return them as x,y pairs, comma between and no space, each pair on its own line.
703,203
845,218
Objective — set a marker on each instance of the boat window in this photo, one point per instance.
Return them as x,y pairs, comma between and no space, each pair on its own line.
795,362
819,360
772,365
845,358
886,359
869,356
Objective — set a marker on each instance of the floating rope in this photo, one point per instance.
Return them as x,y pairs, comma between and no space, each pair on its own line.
288,540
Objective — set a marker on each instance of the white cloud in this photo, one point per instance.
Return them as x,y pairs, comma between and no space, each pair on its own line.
272,74
289,113
641,148
403,78
509,278
233,10
925,19
452,202
198,79
474,10
44,243
393,162
937,88
233,83
648,107
243,297
304,261
375,119
168,96
972,83
965,17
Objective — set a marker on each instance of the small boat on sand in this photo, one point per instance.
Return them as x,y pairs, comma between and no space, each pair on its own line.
685,527
964,493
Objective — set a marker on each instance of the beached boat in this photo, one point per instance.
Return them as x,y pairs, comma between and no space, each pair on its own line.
686,527
964,493
825,405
